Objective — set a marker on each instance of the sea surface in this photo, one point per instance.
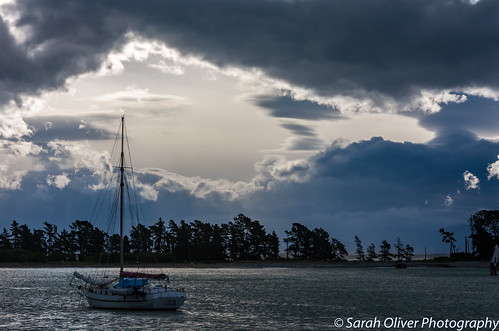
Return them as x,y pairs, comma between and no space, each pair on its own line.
265,299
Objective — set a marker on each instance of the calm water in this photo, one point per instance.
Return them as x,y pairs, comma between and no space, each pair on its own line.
258,298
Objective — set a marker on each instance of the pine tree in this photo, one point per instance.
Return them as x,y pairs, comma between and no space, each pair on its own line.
273,245
408,252
400,249
4,240
371,253
339,252
360,250
384,252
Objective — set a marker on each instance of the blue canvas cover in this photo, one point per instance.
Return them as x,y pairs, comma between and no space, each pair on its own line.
131,282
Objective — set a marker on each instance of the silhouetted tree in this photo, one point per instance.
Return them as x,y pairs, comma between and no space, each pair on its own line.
201,240
246,239
5,243
89,240
126,244
113,243
159,236
32,241
50,235
37,243
238,238
257,237
273,245
384,251
339,253
371,253
399,249
15,234
408,252
182,240
359,251
448,238
65,242
298,241
217,244
320,248
140,239
484,226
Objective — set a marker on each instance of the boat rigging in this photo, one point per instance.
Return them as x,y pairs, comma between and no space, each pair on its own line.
129,290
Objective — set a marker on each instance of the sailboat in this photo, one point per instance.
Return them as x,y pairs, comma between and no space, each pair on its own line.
128,290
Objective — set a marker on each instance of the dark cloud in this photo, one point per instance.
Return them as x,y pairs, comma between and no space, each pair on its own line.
64,128
15,69
477,115
64,39
305,138
298,129
339,47
379,188
286,107
334,47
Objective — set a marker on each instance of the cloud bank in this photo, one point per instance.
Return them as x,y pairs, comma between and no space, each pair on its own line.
378,50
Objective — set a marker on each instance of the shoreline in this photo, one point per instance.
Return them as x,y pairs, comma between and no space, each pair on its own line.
258,264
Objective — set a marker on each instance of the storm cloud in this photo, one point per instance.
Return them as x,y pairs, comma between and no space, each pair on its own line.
356,48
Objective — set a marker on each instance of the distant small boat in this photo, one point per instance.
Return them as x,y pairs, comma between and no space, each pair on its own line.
128,290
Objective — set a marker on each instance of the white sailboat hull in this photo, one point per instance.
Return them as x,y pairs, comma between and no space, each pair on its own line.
155,298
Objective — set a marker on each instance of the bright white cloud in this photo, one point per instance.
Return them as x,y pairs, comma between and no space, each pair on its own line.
485,92
430,101
59,181
146,191
196,186
140,49
493,170
144,97
12,125
168,68
13,129
471,182
270,172
76,155
21,148
10,180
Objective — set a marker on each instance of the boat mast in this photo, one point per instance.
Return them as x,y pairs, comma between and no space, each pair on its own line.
122,184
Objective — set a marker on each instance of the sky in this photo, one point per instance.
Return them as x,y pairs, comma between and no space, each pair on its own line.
371,118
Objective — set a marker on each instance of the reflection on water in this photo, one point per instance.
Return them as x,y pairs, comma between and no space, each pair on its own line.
257,298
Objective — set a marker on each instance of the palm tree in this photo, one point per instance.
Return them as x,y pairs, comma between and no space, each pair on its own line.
448,238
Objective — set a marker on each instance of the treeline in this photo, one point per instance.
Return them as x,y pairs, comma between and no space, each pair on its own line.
238,240
402,252
303,243
241,239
